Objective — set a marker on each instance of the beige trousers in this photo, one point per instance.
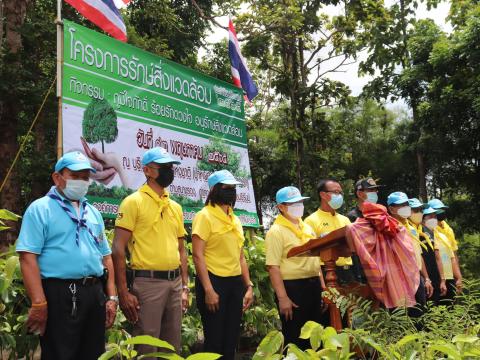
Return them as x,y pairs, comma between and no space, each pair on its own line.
160,313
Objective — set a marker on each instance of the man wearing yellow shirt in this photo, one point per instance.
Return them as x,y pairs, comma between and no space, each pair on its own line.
447,231
150,225
326,219
296,280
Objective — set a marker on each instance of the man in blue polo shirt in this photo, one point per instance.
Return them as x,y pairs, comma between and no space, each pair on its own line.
63,253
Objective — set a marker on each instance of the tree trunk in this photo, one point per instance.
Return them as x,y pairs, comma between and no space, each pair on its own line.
14,12
420,158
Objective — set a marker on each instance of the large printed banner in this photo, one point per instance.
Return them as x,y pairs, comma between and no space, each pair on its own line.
119,101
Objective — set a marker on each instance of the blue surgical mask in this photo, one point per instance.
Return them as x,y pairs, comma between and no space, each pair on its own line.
372,197
76,189
336,201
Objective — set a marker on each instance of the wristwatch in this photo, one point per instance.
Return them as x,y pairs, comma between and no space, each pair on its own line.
113,298
250,285
186,288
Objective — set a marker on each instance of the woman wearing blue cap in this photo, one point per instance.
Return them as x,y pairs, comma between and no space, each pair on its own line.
296,281
223,285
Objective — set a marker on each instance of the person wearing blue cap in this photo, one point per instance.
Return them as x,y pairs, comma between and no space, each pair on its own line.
222,285
150,224
296,280
399,208
63,253
444,257
419,231
446,230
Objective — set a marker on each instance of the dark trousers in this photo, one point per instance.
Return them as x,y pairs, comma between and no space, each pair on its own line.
222,328
421,298
81,337
307,295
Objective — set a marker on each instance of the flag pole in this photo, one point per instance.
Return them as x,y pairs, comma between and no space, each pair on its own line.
59,24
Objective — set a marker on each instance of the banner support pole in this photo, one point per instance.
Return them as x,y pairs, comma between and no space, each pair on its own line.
59,24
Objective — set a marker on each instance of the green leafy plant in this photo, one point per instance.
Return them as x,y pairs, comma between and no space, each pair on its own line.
15,342
99,123
124,349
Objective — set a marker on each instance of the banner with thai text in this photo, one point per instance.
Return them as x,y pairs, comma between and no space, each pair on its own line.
119,101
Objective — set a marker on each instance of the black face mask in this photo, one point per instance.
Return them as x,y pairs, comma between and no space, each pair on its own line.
227,196
165,177
441,217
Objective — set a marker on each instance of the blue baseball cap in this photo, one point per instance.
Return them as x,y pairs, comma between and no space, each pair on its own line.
222,177
158,155
289,194
437,204
414,203
429,210
397,198
74,161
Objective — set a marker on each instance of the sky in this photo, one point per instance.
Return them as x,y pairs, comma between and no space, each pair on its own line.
350,74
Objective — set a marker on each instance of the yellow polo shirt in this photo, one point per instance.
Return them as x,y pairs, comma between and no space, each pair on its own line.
223,236
442,244
282,236
417,247
323,222
446,230
156,224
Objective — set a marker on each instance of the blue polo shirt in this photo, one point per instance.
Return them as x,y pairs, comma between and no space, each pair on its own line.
48,231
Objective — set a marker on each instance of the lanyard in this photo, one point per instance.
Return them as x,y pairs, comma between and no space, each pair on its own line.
82,222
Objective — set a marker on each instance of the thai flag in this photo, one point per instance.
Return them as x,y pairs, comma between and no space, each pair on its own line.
121,4
240,73
104,14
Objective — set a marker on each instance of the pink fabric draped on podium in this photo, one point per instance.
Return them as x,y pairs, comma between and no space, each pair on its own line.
387,256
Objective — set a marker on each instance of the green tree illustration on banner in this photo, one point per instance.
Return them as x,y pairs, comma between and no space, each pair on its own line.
217,155
100,123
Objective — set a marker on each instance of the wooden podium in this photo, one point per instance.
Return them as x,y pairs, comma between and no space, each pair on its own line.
330,248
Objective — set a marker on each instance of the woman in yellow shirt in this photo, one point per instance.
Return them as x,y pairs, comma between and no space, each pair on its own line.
296,280
222,285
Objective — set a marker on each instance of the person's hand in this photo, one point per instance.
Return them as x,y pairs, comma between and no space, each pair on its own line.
443,288
185,300
129,305
286,307
212,300
459,285
248,298
111,312
107,165
428,288
37,319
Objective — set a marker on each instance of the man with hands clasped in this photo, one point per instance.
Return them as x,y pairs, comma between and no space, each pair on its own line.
150,225
66,266
296,280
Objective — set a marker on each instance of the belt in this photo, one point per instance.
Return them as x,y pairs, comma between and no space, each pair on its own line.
169,275
86,281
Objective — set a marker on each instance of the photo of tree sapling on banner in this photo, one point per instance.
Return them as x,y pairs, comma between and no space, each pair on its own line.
99,124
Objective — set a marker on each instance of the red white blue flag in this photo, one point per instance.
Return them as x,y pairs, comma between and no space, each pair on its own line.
104,14
121,4
240,73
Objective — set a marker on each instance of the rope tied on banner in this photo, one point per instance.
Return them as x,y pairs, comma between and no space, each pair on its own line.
22,146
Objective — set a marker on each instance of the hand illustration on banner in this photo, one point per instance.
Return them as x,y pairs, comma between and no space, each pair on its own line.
106,164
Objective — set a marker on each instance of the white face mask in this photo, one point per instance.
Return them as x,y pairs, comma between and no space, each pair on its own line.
416,217
431,223
76,189
372,197
404,212
295,210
